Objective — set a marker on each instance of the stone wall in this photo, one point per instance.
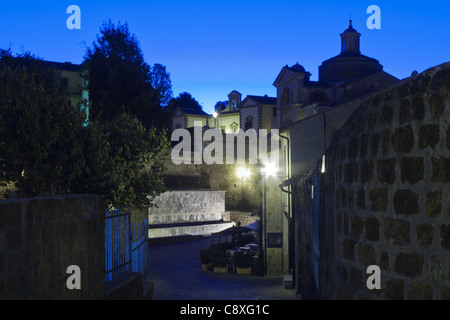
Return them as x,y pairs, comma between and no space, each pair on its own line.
187,206
242,218
240,195
41,237
187,212
383,200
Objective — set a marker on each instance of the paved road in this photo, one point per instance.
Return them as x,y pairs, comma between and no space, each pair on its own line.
175,271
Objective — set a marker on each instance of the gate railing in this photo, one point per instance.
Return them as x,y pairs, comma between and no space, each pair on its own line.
139,248
125,244
117,242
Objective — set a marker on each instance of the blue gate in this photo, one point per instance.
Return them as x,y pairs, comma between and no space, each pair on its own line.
139,248
117,242
125,244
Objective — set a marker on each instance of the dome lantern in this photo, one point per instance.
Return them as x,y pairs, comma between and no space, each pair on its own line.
350,40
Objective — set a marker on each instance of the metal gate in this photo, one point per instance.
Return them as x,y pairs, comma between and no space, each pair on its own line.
117,242
125,244
139,248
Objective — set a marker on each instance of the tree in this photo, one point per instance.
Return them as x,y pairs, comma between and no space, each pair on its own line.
124,162
220,105
46,148
121,81
185,100
40,147
162,84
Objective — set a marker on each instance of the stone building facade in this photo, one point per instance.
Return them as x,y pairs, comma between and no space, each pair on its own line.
342,78
185,118
254,112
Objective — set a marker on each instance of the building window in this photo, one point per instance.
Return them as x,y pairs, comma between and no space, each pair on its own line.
286,98
274,111
248,123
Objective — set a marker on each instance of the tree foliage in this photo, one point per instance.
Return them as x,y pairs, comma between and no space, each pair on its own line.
220,105
185,100
125,162
120,81
46,148
162,84
39,129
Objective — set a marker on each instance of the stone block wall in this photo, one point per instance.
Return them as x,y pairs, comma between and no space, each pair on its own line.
242,218
187,206
41,237
240,195
383,200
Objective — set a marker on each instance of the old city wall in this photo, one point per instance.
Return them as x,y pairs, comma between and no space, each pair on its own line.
383,199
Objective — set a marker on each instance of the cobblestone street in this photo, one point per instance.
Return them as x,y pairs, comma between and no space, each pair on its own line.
175,271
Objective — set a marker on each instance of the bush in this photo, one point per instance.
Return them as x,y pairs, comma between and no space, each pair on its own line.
226,246
205,256
219,257
258,265
243,260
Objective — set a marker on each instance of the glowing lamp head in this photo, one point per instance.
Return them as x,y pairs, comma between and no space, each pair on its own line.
269,169
243,173
215,114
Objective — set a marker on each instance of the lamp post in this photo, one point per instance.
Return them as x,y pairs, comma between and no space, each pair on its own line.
268,169
215,114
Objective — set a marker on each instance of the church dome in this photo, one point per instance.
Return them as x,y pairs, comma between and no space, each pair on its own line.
350,63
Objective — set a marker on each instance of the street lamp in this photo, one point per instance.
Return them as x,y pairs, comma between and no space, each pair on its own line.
268,169
243,173
215,114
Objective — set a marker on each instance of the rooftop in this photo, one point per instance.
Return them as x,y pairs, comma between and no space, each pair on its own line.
66,66
264,99
193,112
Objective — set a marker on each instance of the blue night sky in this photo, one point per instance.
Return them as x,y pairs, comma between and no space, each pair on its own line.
213,47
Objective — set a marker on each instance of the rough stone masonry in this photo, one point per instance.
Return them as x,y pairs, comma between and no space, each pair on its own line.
383,200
